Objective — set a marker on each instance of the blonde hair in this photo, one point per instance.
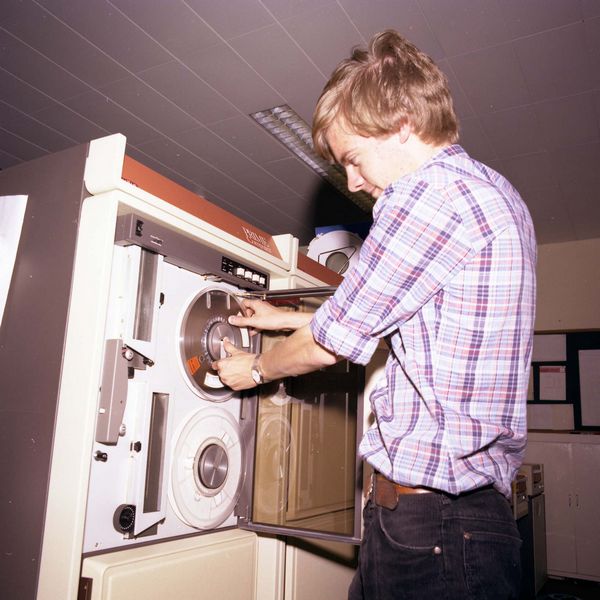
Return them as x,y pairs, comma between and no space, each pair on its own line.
376,91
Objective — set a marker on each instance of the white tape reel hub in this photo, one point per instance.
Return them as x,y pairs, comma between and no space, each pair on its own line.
206,469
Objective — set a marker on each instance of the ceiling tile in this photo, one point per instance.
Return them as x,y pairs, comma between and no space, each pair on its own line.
514,131
590,8
406,17
179,159
250,138
491,78
69,123
28,128
209,183
8,160
533,16
283,222
184,88
18,147
36,70
229,74
577,163
298,176
462,105
16,92
557,63
592,40
234,17
102,111
284,10
179,28
233,197
304,99
109,30
531,171
227,159
550,230
463,25
296,208
148,105
8,9
551,220
160,167
568,121
202,142
292,74
326,36
34,26
584,209
534,118
475,141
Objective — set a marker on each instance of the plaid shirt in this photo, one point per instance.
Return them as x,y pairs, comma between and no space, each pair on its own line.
447,278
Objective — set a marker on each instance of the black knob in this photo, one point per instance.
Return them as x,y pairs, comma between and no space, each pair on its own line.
101,456
124,518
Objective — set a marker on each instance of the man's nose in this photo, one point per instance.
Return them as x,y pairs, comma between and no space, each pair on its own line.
355,180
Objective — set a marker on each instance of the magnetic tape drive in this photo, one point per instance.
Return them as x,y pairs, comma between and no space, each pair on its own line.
174,449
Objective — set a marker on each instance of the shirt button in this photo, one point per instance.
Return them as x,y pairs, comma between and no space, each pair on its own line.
437,550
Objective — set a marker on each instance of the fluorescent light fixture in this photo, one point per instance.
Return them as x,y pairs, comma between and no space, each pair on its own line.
288,127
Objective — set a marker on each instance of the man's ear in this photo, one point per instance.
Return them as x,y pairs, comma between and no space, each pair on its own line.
404,131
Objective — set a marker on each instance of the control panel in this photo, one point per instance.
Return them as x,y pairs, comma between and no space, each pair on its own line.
244,272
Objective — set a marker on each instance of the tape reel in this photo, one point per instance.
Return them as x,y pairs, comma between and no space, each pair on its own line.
276,441
203,327
206,468
337,250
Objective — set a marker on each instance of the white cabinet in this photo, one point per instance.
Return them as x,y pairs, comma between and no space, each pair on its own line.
572,488
318,570
228,564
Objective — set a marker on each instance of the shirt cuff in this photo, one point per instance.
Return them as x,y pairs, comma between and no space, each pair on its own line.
339,339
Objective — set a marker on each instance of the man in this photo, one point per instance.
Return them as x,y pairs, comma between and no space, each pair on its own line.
447,278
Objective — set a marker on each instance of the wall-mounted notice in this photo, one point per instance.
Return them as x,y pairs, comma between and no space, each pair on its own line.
589,387
12,213
549,347
553,382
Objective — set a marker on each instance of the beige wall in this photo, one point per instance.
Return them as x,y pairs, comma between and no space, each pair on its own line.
568,277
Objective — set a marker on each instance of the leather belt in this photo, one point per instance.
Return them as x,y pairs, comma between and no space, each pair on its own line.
386,493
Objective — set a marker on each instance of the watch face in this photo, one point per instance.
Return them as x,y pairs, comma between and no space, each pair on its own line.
256,375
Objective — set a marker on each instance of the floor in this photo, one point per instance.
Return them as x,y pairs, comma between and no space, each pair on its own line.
569,589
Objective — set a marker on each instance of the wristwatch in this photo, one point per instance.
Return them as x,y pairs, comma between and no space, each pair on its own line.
257,376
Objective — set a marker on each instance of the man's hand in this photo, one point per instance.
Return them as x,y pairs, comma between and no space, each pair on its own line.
235,370
263,316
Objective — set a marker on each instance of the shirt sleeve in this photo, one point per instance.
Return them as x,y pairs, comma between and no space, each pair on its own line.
416,244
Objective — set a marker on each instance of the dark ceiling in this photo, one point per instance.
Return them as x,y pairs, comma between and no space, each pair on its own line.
179,79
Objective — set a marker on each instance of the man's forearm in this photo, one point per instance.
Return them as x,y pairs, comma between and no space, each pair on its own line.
295,355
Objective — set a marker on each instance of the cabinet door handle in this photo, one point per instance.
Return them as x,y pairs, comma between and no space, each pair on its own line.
570,500
577,500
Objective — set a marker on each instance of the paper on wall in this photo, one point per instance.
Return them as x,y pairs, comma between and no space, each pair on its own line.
553,382
12,213
589,386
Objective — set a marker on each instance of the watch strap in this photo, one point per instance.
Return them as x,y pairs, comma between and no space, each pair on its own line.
256,373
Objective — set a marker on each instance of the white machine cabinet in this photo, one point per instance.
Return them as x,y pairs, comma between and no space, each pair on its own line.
572,488
132,466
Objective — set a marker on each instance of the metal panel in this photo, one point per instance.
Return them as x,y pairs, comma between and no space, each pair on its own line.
31,349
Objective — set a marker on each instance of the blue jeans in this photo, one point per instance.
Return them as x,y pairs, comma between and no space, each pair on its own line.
439,547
